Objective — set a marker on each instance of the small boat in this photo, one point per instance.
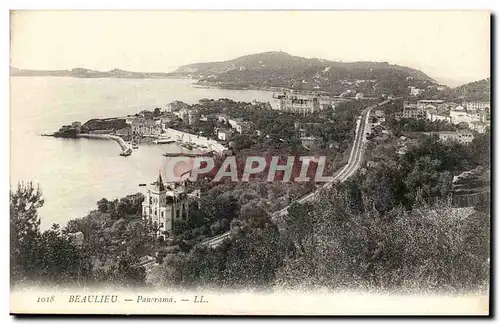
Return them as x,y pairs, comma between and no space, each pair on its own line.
163,141
142,184
189,145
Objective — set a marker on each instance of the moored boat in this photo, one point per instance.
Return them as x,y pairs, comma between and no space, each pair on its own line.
163,141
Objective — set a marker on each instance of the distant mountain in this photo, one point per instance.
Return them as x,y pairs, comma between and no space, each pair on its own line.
87,73
279,69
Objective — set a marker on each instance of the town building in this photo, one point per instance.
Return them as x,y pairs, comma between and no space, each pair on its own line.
193,117
146,127
165,119
224,134
481,106
294,104
182,113
164,204
460,115
189,116
425,102
414,91
302,133
222,118
209,117
238,124
435,114
461,136
413,111
124,132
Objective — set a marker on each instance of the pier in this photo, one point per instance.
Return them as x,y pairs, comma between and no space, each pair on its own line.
123,145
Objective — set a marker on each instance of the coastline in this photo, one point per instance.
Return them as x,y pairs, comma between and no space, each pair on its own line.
228,86
273,89
200,143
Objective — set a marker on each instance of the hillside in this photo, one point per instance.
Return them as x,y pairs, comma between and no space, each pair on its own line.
476,91
279,69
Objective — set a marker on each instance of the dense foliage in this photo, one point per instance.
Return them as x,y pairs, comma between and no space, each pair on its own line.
429,248
400,126
425,171
106,253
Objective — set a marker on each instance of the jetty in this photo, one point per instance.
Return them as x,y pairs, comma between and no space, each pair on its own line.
123,145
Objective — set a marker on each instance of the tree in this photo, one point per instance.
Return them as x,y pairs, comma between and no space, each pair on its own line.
300,223
251,260
481,149
180,226
102,205
59,260
384,198
255,213
426,178
128,272
24,228
354,193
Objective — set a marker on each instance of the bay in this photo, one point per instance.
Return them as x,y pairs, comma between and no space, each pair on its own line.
75,173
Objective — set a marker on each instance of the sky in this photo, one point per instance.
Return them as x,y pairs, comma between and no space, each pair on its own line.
451,46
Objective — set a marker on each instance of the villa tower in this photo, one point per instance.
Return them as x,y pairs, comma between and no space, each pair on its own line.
164,205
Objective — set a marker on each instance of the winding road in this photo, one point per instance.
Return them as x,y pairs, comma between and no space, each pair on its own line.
355,159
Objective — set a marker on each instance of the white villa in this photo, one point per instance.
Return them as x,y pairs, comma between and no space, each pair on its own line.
165,204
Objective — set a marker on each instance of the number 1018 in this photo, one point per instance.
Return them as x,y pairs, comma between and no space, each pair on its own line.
45,299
